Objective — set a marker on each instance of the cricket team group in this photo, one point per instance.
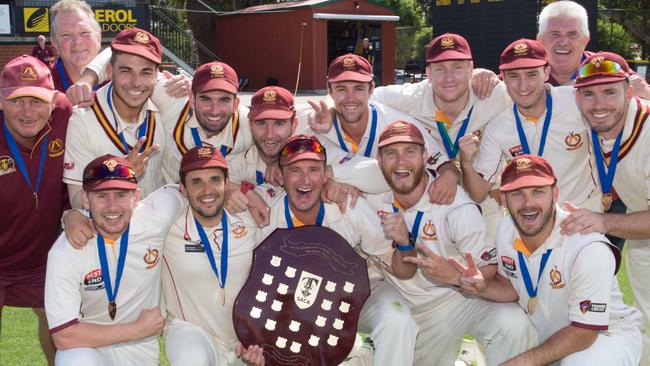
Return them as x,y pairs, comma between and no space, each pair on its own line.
483,204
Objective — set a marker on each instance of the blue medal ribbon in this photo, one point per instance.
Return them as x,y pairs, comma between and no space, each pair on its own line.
532,291
142,130
415,229
224,249
101,250
547,123
606,177
259,177
452,149
62,74
197,141
371,138
15,152
287,213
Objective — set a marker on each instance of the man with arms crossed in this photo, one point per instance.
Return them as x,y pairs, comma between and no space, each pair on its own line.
567,284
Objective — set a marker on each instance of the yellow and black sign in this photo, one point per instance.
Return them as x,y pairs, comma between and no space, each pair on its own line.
36,20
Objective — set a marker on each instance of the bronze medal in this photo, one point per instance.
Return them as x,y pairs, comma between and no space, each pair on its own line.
532,304
606,200
112,309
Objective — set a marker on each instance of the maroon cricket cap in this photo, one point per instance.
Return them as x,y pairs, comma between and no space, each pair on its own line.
302,147
215,76
523,54
602,68
109,172
26,76
526,171
449,46
138,42
271,102
400,131
204,157
350,67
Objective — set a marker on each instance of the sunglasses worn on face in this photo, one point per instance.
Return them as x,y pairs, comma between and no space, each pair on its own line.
302,145
103,172
603,68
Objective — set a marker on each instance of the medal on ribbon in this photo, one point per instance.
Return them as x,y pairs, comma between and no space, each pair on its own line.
532,291
224,253
547,123
606,177
103,262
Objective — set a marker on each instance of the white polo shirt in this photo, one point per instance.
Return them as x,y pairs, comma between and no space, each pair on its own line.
567,148
632,179
447,230
74,288
248,166
93,132
578,285
191,289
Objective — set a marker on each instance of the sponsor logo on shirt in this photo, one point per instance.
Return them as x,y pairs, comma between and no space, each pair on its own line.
270,192
556,278
594,307
68,166
151,258
194,246
508,263
7,165
573,141
516,150
346,158
55,148
93,280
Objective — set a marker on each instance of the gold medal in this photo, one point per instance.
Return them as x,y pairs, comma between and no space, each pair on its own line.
532,304
606,200
112,310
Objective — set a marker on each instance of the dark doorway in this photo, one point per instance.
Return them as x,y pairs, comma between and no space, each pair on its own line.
346,36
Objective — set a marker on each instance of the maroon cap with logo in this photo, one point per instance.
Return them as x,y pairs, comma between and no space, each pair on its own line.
109,172
215,76
526,171
138,42
449,46
350,67
271,102
400,131
26,76
204,157
523,54
602,68
302,147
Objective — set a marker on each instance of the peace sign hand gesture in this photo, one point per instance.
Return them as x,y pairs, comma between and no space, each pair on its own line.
471,279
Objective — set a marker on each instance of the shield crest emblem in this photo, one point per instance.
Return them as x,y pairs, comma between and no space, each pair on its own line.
303,297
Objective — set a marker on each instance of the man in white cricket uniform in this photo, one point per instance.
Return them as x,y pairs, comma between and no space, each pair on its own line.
620,137
102,301
443,314
353,130
384,315
200,289
445,103
542,120
567,284
122,113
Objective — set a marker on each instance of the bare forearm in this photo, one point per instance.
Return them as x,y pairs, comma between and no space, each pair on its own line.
401,269
449,168
499,289
477,187
94,335
74,193
564,342
629,226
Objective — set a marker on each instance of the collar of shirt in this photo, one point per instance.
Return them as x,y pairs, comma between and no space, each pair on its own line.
608,145
332,136
554,240
252,158
433,109
332,214
224,137
121,125
423,203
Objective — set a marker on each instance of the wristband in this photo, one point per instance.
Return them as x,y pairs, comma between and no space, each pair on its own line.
246,186
407,247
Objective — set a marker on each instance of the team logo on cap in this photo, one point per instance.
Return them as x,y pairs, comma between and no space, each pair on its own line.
429,231
556,278
349,63
520,49
7,165
573,141
142,37
597,61
216,71
151,258
28,74
270,96
110,164
447,42
524,164
204,152
55,148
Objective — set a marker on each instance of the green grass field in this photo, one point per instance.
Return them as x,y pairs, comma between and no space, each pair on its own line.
19,341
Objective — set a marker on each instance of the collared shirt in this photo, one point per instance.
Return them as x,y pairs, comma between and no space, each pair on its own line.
190,287
578,285
567,148
27,233
43,53
88,137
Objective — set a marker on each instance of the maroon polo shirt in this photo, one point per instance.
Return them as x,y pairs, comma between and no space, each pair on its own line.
27,233
43,53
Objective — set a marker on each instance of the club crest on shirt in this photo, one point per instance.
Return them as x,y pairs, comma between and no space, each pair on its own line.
489,254
68,166
55,148
93,280
556,278
433,159
573,141
429,231
239,231
7,165
516,150
151,258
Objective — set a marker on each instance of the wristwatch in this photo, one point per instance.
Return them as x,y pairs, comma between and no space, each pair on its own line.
407,247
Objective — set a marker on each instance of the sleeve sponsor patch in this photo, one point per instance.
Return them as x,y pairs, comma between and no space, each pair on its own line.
594,307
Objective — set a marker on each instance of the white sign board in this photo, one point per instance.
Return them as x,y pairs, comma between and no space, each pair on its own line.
5,19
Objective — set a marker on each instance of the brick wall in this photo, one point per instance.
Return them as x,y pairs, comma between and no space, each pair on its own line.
9,51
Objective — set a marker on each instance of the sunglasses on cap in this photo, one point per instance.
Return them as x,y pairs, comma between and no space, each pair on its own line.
606,67
103,172
299,145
